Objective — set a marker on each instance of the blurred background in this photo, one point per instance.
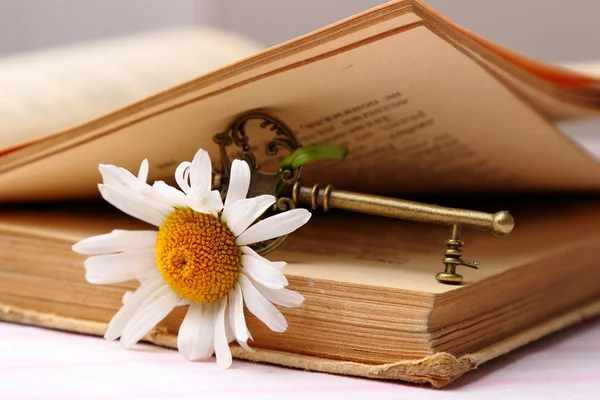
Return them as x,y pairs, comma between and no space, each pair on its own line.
551,30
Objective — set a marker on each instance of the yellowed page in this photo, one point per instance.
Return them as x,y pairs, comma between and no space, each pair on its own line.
51,90
555,102
367,250
406,255
556,92
416,113
262,65
590,67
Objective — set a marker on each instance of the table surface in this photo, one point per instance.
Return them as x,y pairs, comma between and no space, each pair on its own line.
46,364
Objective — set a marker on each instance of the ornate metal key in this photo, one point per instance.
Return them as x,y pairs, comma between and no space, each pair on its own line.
326,197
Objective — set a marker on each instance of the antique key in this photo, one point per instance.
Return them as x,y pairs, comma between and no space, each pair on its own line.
326,197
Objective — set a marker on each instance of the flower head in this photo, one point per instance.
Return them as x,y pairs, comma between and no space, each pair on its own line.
199,257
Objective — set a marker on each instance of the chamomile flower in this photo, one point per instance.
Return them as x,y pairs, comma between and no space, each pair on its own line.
199,257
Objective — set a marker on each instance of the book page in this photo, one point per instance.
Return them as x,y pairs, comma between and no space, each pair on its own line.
261,65
591,67
557,92
417,114
51,90
366,250
406,255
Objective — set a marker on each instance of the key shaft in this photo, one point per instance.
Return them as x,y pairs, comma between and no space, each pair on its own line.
500,223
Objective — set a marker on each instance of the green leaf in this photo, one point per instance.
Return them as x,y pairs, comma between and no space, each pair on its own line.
312,152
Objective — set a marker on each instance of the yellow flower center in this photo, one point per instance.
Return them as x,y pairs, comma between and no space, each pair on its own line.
197,256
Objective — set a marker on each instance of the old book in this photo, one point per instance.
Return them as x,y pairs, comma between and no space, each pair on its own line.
425,107
372,308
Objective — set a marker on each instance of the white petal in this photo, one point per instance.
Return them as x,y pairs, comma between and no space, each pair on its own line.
117,176
151,194
229,316
263,273
164,300
130,305
235,312
199,330
195,338
244,212
281,297
239,183
222,351
188,330
168,194
245,346
144,169
113,268
204,201
126,181
277,264
201,170
145,197
131,180
126,296
182,174
214,203
116,241
197,198
261,307
111,175
275,226
135,204
239,320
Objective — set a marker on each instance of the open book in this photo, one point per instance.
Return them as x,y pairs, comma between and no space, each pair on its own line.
425,107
